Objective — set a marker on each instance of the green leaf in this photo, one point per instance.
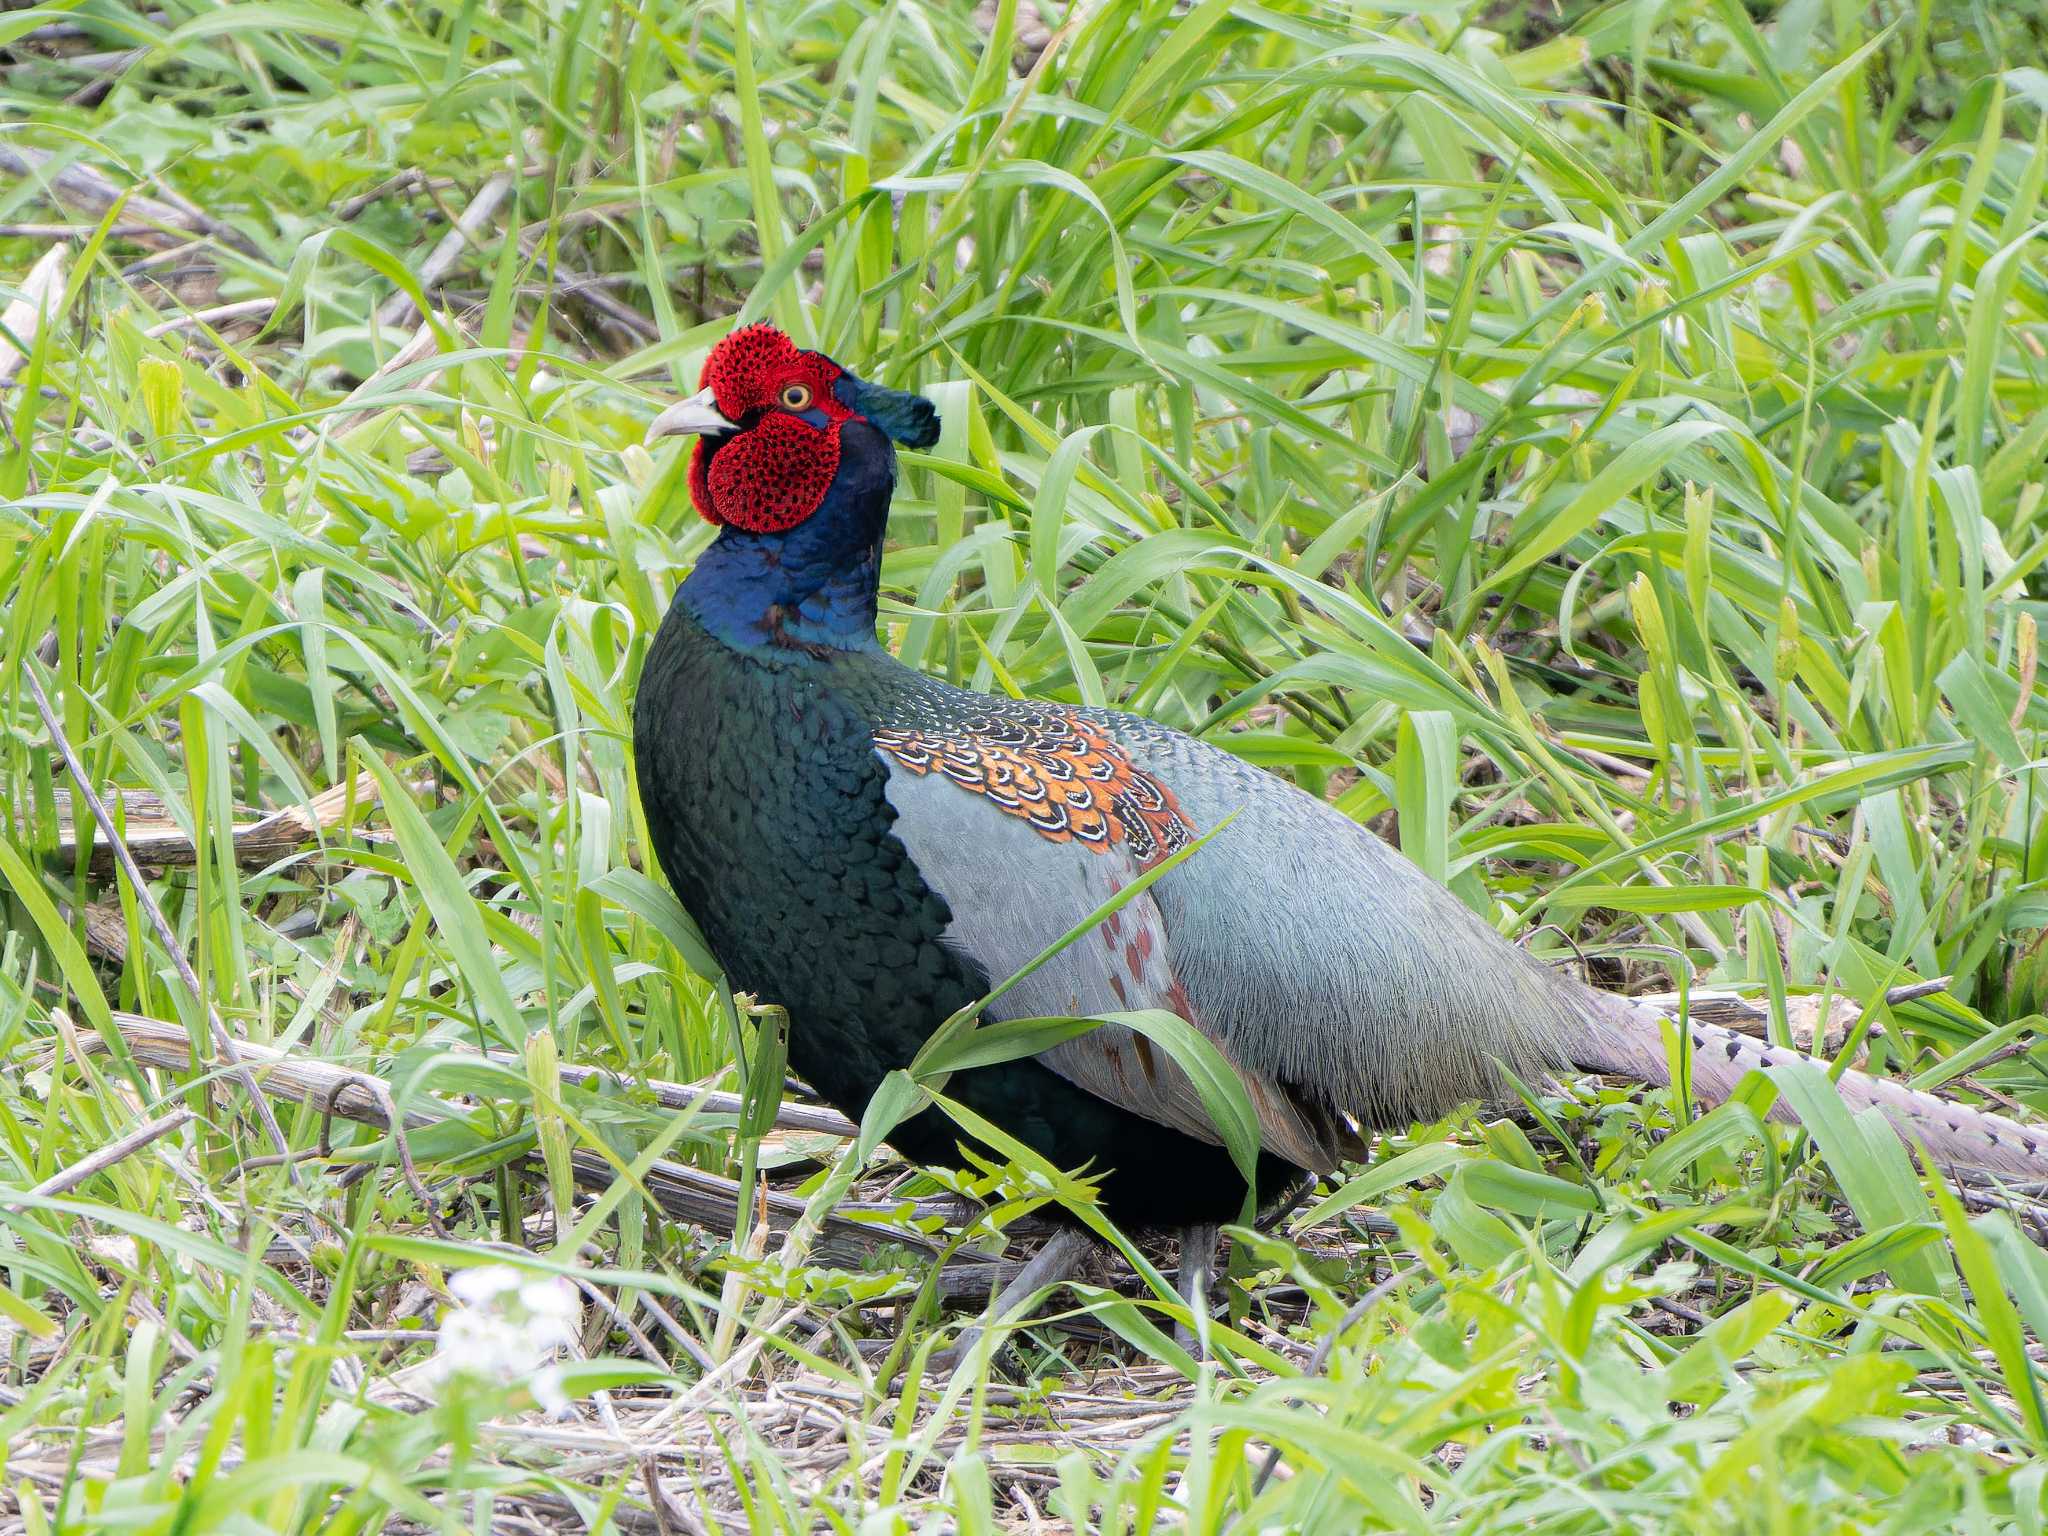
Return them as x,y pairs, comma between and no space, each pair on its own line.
990,1043
1524,1192
1864,1154
57,934
455,912
1424,1162
1225,1098
1620,477
1707,1368
1425,786
1663,899
657,906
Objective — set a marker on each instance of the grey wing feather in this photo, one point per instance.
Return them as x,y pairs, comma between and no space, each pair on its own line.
1328,961
1013,894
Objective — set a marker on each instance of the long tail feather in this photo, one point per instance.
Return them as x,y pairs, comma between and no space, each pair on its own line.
1626,1038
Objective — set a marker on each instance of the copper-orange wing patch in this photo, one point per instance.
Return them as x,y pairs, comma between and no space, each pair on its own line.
1060,773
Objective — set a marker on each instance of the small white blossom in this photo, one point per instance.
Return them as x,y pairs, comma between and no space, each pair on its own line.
506,1328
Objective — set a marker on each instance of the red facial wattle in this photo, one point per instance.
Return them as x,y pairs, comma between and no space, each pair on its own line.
775,471
766,480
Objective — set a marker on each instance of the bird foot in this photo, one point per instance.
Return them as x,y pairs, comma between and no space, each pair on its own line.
1197,1269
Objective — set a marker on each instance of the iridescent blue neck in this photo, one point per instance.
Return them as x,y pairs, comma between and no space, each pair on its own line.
813,585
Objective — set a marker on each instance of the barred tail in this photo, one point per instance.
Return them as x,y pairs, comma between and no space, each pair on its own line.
1626,1038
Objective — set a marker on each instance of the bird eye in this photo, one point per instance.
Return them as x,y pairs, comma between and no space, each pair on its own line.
795,397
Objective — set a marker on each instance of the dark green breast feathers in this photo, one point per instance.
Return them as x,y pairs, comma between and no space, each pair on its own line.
776,830
873,850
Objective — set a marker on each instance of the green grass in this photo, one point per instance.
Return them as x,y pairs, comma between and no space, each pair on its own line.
1605,451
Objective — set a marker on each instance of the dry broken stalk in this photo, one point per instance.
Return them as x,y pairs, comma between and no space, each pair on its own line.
218,314
155,838
81,186
399,308
148,903
683,1193
422,344
68,1179
22,320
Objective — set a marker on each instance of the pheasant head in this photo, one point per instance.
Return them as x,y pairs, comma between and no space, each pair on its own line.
770,423
795,461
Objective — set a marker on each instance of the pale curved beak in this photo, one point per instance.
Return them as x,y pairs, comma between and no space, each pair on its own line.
699,413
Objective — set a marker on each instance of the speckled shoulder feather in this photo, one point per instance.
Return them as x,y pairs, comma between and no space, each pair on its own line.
1056,770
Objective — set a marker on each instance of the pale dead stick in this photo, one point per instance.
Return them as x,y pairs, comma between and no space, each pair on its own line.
81,186
68,1179
22,320
399,308
71,231
241,309
421,345
683,1193
221,1037
87,188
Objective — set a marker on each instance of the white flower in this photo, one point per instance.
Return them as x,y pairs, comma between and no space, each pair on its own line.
506,1328
483,1285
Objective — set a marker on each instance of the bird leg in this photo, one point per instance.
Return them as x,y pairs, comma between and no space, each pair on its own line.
1058,1260
1197,1268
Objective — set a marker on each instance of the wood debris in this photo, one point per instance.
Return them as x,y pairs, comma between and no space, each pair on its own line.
684,1194
22,321
92,191
157,836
